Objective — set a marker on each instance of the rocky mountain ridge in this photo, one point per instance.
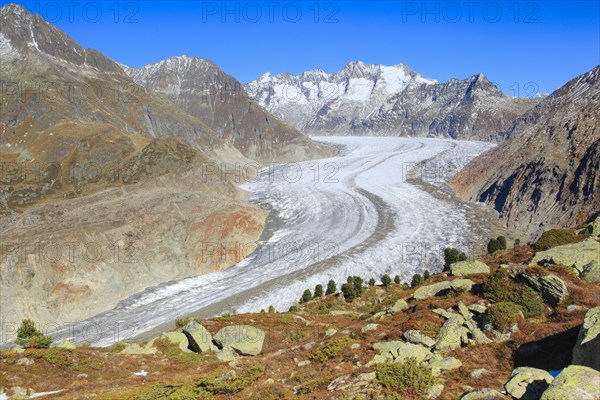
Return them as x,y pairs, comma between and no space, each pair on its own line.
372,99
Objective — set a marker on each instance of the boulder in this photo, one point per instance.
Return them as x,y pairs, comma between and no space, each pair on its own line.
369,327
134,348
400,351
462,285
451,335
587,349
574,383
330,332
435,391
484,394
528,383
475,333
480,373
416,337
591,272
447,314
225,355
177,338
576,255
243,339
477,308
464,311
552,289
463,268
593,228
200,335
399,305
436,289
448,363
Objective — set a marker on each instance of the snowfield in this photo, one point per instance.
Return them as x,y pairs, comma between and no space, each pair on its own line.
353,214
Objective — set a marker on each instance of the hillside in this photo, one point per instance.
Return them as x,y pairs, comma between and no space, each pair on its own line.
547,173
456,325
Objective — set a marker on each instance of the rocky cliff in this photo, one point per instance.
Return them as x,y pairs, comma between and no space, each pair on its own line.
547,173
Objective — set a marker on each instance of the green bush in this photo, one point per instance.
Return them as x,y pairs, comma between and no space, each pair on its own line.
182,321
555,237
452,255
332,349
517,243
372,282
271,309
357,282
386,280
29,337
331,288
397,279
498,288
348,292
426,275
417,279
409,377
501,242
318,291
503,315
293,309
306,296
493,245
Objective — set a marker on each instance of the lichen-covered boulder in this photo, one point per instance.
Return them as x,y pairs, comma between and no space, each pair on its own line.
463,268
574,383
136,349
448,363
243,339
400,351
435,289
201,335
462,285
528,383
576,255
451,335
590,272
484,394
587,349
552,289
464,311
399,305
65,344
416,337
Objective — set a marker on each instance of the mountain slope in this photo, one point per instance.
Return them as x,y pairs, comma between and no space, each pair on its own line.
370,99
202,89
548,173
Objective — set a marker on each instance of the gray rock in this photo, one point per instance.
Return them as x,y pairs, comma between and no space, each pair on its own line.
552,289
436,289
399,305
575,255
330,332
475,333
435,391
451,335
447,314
462,285
416,337
574,383
369,327
243,339
463,268
446,364
464,311
25,361
479,373
65,344
591,272
200,334
484,394
587,349
398,351
477,308
528,383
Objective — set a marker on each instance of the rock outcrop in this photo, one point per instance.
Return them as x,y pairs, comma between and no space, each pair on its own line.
243,339
574,383
528,383
552,289
463,268
582,257
587,349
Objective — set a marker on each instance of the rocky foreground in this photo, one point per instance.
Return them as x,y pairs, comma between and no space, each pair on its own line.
517,324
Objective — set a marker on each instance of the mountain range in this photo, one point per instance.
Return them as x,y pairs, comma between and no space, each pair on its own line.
378,100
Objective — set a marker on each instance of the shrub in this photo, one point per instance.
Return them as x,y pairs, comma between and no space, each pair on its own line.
503,315
501,242
386,280
452,255
417,279
318,291
357,282
498,288
408,377
493,245
555,237
397,279
372,282
426,275
306,296
28,336
330,287
332,349
293,309
348,292
182,321
271,309
517,243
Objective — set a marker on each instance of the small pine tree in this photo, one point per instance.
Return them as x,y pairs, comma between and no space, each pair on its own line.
386,280
293,309
306,296
426,275
501,243
397,279
29,336
271,309
417,279
318,290
348,292
405,286
357,283
452,255
330,287
493,245
372,282
517,243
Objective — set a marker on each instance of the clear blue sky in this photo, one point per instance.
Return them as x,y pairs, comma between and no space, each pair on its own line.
544,42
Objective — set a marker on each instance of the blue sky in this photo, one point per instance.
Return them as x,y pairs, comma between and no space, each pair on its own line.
522,46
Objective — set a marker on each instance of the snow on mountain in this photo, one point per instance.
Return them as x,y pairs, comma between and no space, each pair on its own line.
373,99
